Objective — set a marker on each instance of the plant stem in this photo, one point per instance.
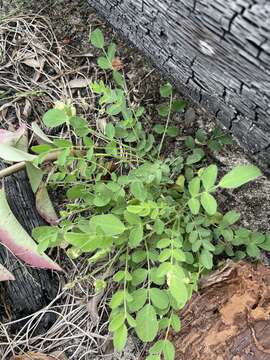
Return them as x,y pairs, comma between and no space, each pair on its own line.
12,169
166,126
21,165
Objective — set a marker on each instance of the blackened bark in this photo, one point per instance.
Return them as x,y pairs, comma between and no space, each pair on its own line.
33,288
216,52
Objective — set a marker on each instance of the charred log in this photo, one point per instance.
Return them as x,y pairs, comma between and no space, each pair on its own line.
33,288
216,52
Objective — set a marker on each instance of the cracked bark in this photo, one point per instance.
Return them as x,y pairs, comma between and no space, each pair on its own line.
204,47
33,288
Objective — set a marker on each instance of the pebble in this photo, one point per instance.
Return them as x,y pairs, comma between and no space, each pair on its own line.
190,116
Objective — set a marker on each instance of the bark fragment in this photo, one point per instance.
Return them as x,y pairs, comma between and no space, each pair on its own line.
229,318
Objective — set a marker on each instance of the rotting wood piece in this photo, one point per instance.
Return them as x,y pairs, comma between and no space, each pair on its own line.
33,288
216,52
229,318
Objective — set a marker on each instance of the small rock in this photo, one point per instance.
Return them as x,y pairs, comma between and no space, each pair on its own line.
190,116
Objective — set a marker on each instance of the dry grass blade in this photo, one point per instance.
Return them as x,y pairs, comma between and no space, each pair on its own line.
33,69
72,332
77,332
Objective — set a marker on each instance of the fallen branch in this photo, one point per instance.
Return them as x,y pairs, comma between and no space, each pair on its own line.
21,165
12,169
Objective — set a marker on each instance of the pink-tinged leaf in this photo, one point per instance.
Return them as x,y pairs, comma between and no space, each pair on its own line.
17,240
12,137
45,207
5,274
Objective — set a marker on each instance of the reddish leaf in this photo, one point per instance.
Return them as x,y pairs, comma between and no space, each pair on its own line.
17,240
5,274
45,207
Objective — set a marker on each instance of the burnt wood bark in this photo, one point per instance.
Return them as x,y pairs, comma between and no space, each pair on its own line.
216,52
33,288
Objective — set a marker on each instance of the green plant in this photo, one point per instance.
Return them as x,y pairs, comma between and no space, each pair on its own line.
154,219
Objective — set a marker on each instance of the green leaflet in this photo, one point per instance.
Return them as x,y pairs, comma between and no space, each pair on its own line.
109,224
159,298
55,117
120,338
239,176
147,324
97,38
209,203
176,283
136,235
209,177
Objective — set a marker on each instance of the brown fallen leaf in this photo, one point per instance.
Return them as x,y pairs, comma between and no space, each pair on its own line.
78,83
27,109
34,62
44,206
57,355
66,41
101,124
117,64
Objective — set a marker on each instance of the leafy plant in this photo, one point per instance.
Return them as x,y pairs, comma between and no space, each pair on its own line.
154,219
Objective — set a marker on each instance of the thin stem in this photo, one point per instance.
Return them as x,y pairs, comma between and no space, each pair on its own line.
166,126
149,268
125,283
21,165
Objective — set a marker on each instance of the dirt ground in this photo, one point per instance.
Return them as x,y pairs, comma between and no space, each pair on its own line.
71,21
